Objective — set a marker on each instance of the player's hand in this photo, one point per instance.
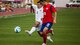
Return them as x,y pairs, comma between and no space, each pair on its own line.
55,15
54,21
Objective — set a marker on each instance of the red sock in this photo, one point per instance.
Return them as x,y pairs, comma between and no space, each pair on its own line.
44,37
49,31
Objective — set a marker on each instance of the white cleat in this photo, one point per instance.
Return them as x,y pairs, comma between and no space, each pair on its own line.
27,31
52,33
43,44
49,38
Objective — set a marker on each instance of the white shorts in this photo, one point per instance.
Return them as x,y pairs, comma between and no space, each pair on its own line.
39,20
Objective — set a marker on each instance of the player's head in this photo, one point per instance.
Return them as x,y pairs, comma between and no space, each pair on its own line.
39,4
53,2
44,2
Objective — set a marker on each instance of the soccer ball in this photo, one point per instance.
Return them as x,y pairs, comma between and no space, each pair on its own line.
17,29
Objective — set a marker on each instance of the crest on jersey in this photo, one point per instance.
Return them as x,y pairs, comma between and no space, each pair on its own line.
46,8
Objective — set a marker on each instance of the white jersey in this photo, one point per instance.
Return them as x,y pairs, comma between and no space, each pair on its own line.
38,13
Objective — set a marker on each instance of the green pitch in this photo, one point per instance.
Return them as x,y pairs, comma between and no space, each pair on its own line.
67,29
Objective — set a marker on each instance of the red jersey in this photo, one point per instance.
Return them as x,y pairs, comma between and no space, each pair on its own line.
48,13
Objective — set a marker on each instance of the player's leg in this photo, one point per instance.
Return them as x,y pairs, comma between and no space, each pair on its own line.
41,33
39,27
46,30
48,37
41,30
33,28
44,35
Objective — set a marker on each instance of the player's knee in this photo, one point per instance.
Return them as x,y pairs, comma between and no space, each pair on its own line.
41,33
36,25
44,32
45,29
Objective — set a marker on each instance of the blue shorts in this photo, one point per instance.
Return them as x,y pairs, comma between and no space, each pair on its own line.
48,25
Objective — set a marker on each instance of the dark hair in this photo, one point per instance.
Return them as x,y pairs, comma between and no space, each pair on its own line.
53,2
42,0
39,2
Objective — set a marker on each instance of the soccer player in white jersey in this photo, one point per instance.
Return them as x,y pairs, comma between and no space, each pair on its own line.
38,19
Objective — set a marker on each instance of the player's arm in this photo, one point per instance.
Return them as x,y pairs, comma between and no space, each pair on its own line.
55,14
34,6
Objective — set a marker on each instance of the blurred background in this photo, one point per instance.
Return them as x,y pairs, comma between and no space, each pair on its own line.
13,13
10,6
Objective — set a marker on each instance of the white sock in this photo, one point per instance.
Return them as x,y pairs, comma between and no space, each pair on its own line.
32,30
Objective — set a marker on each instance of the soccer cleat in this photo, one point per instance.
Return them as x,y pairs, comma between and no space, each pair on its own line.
49,38
52,33
28,32
43,44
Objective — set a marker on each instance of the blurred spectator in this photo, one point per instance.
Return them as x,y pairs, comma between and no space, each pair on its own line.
8,8
3,9
0,6
19,5
31,8
15,5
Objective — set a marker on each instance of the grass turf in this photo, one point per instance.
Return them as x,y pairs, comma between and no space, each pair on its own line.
67,29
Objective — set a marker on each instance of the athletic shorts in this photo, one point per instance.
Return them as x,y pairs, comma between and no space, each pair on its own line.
39,20
48,25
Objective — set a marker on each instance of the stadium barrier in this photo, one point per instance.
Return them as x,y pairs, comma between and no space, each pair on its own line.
16,11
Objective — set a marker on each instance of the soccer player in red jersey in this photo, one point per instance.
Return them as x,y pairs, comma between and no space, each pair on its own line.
47,20
38,19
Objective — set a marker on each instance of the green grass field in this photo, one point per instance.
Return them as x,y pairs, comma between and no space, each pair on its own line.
67,29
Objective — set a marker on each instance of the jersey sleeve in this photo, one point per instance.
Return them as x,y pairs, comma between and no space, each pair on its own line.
53,9
34,6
